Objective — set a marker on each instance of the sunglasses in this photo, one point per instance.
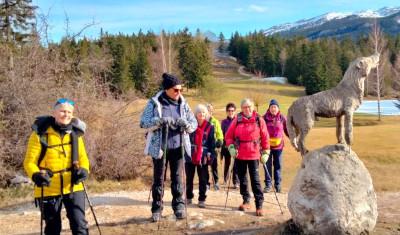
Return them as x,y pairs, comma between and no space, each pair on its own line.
64,101
176,90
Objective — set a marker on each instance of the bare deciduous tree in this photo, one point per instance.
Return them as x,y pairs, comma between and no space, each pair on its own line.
282,60
379,43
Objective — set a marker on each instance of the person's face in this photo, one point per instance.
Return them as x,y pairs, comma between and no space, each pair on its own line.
274,109
201,116
230,112
63,114
247,109
174,92
210,110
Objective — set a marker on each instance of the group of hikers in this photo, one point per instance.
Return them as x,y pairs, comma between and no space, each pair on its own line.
187,141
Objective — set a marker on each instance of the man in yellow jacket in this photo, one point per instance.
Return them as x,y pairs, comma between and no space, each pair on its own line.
57,162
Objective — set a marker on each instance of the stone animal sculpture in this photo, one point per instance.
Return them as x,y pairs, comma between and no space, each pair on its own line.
340,102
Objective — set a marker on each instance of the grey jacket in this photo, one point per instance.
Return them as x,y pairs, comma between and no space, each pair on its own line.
149,121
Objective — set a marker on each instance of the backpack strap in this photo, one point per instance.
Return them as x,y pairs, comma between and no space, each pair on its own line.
43,142
208,128
240,119
40,126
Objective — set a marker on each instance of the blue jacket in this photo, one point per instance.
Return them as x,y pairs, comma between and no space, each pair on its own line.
152,112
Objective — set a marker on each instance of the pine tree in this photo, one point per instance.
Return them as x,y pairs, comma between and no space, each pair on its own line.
221,45
315,77
194,59
16,20
140,71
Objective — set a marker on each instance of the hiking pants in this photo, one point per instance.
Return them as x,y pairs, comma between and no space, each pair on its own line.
252,165
202,174
214,171
275,158
226,155
175,162
75,207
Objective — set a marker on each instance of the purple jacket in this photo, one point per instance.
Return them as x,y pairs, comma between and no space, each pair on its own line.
276,126
225,124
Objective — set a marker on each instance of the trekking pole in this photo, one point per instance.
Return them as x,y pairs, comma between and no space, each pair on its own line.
41,210
148,198
273,188
91,207
165,170
184,175
229,184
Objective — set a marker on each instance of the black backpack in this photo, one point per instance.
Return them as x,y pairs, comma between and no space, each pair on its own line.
40,126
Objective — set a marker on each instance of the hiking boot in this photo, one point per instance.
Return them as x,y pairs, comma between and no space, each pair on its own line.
180,214
156,216
216,187
188,201
267,189
202,204
278,189
245,206
259,212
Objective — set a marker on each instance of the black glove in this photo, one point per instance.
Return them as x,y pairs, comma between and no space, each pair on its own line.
218,144
41,179
182,123
79,175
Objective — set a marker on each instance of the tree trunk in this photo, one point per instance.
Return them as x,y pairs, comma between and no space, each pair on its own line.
378,92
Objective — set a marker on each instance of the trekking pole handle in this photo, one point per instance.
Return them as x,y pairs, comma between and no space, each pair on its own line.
75,165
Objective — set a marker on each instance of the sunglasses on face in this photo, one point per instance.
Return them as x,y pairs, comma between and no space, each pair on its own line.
64,101
176,90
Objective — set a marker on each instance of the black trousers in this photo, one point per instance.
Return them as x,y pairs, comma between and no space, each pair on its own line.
214,170
202,173
75,207
175,162
252,165
227,156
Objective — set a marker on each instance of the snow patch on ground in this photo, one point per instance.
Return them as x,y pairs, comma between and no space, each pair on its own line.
280,80
388,107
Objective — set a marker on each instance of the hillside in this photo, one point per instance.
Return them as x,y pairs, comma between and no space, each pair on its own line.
122,207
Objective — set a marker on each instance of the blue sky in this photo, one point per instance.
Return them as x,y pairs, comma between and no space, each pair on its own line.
225,16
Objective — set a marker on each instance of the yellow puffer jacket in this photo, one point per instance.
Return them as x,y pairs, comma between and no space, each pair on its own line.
56,159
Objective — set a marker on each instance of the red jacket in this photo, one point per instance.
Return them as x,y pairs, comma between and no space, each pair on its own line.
248,136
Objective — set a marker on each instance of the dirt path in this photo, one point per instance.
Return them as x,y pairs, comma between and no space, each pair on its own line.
129,213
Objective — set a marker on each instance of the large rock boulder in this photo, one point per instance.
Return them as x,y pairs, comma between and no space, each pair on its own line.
333,193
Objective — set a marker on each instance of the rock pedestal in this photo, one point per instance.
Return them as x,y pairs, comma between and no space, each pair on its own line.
333,193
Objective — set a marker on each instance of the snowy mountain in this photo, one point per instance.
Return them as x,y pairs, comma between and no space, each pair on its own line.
339,24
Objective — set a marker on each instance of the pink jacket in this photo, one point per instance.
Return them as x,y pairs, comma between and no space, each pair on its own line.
276,126
248,135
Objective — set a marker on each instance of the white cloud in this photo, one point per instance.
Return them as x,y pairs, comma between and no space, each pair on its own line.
238,9
257,8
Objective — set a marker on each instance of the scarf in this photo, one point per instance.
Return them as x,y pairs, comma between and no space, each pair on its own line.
198,142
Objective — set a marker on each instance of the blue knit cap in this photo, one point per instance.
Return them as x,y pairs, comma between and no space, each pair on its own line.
273,102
